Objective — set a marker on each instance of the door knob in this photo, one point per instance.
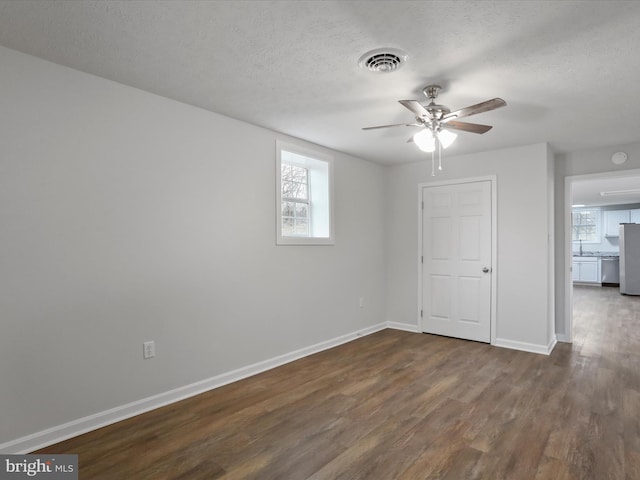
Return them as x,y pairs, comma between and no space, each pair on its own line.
486,270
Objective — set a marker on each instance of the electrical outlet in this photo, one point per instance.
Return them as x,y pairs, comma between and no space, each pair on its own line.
148,349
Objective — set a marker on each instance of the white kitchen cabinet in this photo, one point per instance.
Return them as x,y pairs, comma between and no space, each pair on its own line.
586,269
634,216
575,270
612,221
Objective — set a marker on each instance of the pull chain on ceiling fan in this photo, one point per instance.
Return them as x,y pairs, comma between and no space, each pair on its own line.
437,121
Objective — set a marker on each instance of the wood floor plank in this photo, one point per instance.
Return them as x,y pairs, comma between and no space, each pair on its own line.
632,465
551,468
403,406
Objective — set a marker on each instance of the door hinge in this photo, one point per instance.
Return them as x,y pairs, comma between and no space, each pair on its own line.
422,259
423,205
420,313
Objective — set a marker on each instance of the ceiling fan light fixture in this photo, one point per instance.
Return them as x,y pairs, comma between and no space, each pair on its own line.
438,120
425,140
446,138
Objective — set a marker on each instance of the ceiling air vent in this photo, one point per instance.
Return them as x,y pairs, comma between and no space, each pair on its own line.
383,60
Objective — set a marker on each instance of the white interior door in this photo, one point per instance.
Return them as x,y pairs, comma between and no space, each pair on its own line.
456,264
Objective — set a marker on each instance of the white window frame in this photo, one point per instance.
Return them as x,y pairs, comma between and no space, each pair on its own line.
598,225
320,168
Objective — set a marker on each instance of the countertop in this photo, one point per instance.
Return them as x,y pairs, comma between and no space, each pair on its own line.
596,254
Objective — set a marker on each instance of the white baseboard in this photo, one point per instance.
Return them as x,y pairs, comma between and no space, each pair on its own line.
526,347
407,327
77,427
563,338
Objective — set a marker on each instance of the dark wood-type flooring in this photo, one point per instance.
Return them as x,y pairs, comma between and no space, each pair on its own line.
399,405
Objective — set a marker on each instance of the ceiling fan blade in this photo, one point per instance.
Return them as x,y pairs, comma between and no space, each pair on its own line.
394,125
466,127
416,107
477,108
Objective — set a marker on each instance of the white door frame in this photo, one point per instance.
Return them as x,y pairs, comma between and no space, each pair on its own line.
568,244
494,243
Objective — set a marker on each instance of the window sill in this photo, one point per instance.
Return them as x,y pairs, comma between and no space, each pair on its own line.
305,241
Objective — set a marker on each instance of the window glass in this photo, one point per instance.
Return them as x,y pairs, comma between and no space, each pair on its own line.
585,225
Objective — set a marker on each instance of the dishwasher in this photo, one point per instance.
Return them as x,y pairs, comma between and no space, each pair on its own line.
610,271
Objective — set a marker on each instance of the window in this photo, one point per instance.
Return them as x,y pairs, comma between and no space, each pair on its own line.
585,225
304,200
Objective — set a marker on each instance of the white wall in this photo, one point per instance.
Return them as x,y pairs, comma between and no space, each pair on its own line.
585,162
523,268
129,217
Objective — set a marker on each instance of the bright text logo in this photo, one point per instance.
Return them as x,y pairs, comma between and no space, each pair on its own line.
54,467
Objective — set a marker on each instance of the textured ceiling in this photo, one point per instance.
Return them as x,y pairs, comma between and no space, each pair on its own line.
568,70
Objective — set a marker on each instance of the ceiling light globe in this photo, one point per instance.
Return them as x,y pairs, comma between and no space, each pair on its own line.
446,138
425,141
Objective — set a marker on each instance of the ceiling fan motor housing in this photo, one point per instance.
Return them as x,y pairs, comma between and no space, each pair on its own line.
435,111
